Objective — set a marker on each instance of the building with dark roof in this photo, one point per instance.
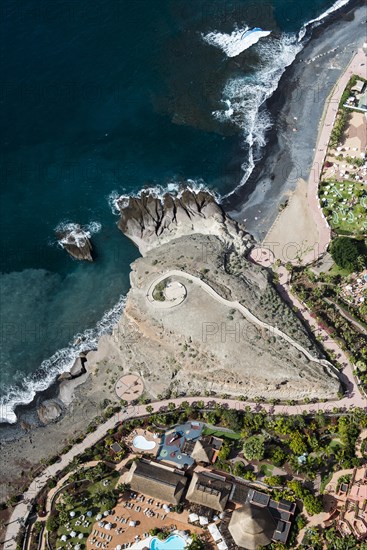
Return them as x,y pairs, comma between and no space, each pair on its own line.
204,450
158,481
211,491
251,527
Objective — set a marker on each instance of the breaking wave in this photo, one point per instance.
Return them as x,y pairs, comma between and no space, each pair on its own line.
244,96
59,362
318,20
117,200
236,42
73,233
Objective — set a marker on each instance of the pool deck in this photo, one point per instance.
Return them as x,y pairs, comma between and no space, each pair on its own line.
173,442
149,436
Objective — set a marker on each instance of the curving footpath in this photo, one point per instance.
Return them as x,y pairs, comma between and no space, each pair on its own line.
234,305
351,400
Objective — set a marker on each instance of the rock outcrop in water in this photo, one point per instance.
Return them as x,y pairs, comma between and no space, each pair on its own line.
150,221
76,241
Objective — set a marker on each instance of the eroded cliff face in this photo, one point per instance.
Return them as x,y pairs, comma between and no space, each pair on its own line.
191,233
203,345
150,221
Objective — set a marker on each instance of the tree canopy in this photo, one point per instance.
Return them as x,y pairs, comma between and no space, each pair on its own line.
347,252
254,448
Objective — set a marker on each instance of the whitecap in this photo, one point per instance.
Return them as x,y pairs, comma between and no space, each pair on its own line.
318,20
174,188
236,42
59,362
75,233
93,227
245,95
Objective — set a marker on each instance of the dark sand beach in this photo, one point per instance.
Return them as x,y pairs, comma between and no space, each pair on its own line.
302,93
298,104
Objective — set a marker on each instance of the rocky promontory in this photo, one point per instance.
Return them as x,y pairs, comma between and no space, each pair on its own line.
76,241
151,221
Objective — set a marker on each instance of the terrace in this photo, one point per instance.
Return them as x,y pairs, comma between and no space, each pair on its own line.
343,192
351,505
354,289
173,445
130,523
143,442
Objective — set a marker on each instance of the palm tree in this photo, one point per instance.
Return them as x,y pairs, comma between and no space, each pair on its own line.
123,487
75,463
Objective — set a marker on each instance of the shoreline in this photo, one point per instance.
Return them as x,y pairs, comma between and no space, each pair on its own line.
298,103
312,233
279,97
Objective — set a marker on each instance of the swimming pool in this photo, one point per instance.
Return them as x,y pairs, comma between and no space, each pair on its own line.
174,542
143,444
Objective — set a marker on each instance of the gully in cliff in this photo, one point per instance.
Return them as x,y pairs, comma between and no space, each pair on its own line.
75,240
150,220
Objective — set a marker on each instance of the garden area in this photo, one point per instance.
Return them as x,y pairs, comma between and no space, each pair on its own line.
342,191
322,296
87,495
289,454
344,205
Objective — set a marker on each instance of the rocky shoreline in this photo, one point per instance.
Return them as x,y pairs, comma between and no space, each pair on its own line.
95,388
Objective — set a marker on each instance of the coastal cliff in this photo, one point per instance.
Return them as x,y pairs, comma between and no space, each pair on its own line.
190,233
151,221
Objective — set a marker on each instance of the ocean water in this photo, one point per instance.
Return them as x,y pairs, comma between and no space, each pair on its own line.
105,97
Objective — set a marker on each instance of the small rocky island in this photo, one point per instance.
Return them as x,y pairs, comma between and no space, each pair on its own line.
76,241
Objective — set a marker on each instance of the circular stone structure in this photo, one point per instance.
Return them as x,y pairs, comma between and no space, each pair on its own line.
129,387
173,293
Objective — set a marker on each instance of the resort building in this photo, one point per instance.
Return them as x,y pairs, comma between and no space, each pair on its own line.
205,450
358,98
239,516
158,481
350,511
209,490
251,527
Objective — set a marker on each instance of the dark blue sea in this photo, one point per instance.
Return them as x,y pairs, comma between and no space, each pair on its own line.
105,97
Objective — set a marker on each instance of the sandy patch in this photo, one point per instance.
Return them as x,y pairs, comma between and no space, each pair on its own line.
294,233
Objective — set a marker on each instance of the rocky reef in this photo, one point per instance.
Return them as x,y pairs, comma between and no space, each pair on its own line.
151,221
76,241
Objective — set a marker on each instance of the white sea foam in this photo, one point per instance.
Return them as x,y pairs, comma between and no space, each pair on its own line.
244,96
58,363
75,233
93,227
236,42
119,200
315,22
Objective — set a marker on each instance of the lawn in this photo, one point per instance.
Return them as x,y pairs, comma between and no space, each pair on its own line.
335,444
85,501
337,270
266,469
345,205
217,432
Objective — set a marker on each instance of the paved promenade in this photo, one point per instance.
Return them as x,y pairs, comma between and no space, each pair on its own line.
352,399
356,66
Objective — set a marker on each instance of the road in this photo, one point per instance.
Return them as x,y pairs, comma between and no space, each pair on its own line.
356,66
351,400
